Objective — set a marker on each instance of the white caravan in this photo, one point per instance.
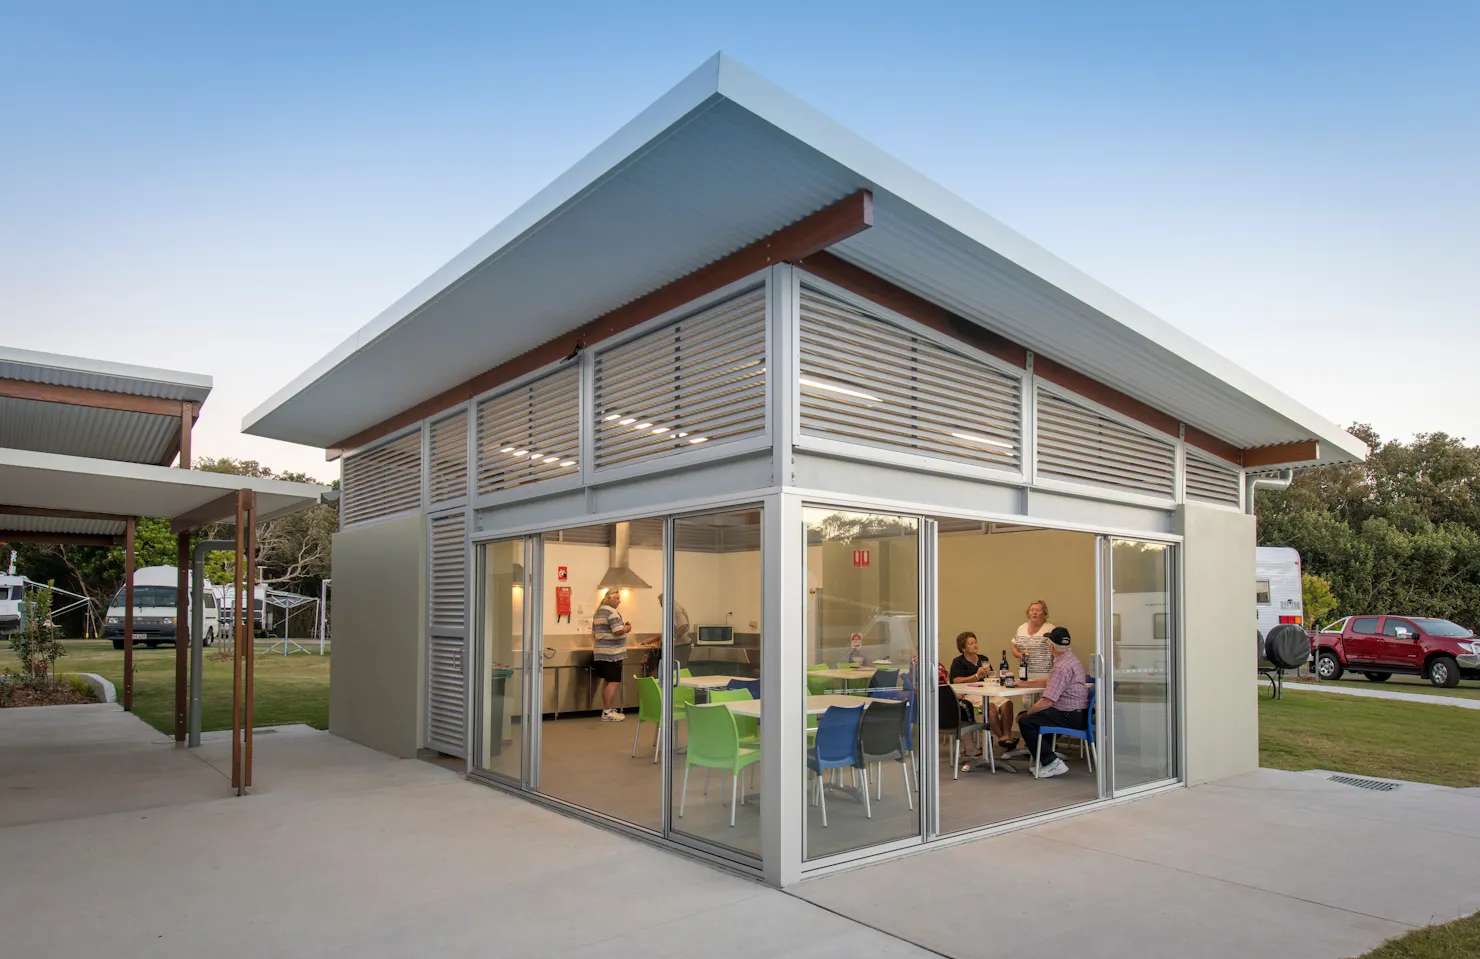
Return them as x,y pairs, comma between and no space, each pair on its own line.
1278,597
12,592
155,589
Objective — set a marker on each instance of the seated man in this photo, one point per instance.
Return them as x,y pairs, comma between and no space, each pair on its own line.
1065,702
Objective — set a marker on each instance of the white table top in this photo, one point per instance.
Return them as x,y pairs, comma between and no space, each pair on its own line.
977,691
815,704
706,682
862,672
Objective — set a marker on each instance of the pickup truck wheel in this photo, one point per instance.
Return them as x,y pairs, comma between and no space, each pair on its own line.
1329,667
1444,672
210,637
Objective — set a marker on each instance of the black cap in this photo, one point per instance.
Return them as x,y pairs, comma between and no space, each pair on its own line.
1059,636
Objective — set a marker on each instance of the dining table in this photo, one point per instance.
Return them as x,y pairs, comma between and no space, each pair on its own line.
979,693
815,705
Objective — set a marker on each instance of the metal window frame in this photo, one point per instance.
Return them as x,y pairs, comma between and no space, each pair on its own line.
470,435
1211,462
1106,493
911,461
387,440
538,488
591,475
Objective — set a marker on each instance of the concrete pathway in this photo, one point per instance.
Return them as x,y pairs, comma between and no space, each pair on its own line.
1459,701
117,842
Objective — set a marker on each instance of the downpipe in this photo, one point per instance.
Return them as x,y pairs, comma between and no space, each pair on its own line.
1253,483
198,625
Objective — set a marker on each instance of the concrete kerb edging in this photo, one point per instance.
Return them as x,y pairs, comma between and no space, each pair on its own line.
106,691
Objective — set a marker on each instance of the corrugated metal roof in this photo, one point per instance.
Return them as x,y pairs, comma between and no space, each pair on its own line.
87,431
55,369
720,161
57,524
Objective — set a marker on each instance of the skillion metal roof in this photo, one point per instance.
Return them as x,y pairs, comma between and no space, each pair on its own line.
720,161
80,430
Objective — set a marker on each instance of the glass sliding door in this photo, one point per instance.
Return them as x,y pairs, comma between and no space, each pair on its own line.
1142,664
600,630
861,642
715,676
499,688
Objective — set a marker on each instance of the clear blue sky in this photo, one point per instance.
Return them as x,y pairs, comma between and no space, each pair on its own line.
1295,184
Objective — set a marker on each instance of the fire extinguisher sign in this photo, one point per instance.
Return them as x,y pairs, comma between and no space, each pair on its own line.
861,558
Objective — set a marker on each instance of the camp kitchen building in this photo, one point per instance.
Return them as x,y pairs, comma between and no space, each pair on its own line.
812,417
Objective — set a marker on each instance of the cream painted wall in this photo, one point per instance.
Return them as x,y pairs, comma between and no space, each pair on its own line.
986,583
586,565
1221,735
377,690
720,589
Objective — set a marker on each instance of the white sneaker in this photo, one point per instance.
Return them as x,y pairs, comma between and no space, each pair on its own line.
1055,768
612,716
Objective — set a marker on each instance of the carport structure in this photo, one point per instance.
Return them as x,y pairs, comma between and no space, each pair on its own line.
85,450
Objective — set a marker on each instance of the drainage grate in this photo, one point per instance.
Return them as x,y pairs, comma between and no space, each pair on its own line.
1376,785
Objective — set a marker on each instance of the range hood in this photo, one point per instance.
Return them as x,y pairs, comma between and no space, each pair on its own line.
620,575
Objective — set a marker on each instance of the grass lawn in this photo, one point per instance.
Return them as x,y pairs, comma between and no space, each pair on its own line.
1467,688
1453,940
1385,738
292,689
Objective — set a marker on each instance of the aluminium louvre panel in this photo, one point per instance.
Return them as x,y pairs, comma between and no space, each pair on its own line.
1077,444
447,590
543,418
700,378
382,481
446,695
1210,481
917,395
447,469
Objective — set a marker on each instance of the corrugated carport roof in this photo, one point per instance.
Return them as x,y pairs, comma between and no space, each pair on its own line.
41,406
724,159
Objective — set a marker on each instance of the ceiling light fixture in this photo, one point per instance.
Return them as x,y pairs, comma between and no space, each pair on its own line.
973,438
627,422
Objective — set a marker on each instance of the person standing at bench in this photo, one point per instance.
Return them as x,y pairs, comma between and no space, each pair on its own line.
1065,701
609,651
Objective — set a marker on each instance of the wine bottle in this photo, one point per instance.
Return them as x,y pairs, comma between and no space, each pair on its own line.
1002,671
1023,669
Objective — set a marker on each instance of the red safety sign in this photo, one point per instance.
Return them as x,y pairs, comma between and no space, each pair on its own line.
562,601
560,574
861,558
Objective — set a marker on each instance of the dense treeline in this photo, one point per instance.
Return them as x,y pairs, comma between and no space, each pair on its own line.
1399,533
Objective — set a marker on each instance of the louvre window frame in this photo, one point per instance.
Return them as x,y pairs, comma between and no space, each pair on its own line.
566,479
841,448
761,284
465,412
350,515
1087,488
1212,463
448,637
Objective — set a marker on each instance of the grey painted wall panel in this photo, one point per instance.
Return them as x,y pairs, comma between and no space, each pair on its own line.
377,689
1221,736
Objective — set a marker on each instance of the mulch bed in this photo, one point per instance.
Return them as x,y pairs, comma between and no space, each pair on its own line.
61,696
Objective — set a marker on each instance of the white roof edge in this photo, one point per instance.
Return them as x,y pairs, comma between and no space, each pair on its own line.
167,475
604,161
83,364
819,131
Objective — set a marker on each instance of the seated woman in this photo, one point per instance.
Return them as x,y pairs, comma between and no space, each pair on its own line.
971,667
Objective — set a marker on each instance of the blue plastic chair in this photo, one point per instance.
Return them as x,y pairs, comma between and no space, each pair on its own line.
1083,735
752,685
837,748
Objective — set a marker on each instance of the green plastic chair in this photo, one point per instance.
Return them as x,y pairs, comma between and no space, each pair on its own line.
748,728
649,710
714,743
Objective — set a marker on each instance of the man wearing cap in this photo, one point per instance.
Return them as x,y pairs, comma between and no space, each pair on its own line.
1065,702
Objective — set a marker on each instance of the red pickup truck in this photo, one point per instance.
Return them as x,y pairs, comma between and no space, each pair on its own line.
1379,646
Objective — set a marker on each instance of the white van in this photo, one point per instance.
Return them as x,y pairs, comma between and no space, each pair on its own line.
1278,596
154,609
12,592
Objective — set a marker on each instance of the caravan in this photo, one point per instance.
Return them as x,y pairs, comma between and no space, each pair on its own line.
1277,591
12,591
155,591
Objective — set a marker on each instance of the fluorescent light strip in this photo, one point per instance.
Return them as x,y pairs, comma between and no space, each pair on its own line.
831,388
973,438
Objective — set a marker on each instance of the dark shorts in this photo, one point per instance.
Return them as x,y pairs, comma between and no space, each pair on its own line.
609,670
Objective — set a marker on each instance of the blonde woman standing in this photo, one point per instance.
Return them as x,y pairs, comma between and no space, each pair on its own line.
1032,639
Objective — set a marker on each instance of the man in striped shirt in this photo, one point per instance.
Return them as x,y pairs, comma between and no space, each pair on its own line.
609,652
1065,702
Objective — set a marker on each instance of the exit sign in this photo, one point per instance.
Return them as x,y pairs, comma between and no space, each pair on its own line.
861,558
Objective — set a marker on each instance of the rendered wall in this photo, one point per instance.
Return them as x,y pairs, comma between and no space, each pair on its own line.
1221,734
377,689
